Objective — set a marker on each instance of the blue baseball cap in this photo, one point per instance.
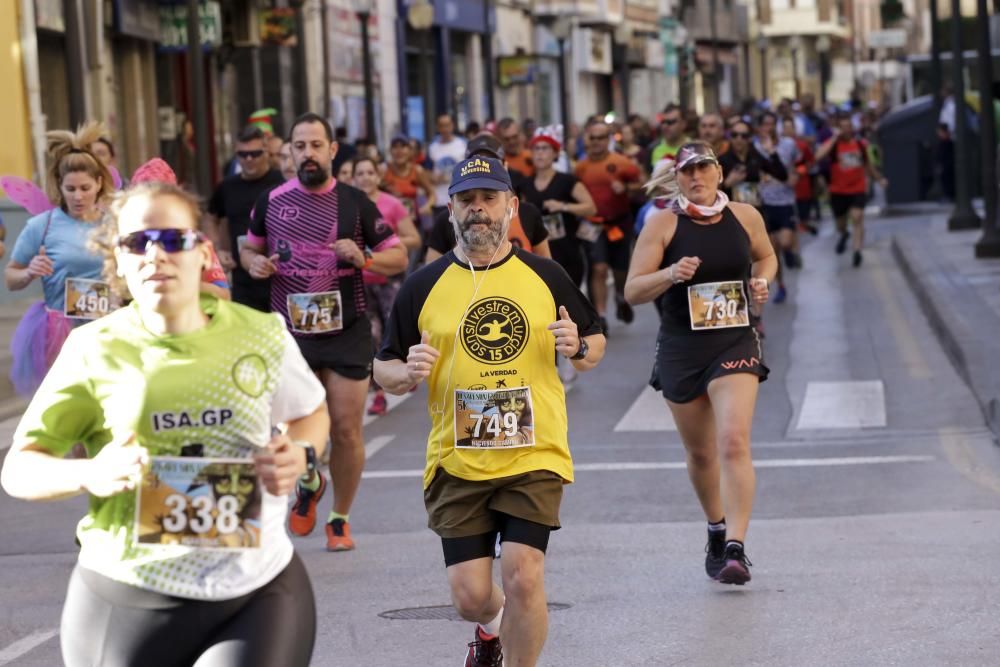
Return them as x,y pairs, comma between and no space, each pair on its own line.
479,173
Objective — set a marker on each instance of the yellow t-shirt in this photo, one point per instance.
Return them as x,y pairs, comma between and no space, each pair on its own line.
495,383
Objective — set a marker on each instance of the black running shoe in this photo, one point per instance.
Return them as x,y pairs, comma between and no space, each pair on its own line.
625,313
484,652
842,243
857,259
737,567
715,552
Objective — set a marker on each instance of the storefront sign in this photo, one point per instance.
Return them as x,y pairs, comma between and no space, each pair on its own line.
138,18
516,71
278,27
173,26
592,51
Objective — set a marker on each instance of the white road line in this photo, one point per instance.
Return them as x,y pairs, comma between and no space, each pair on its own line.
843,405
393,402
25,644
373,447
680,465
649,412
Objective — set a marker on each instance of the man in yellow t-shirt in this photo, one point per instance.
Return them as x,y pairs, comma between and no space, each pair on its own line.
482,325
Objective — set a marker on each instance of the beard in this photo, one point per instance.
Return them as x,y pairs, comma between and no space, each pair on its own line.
310,178
479,240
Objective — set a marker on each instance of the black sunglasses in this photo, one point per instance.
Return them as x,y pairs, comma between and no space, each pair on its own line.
671,121
171,240
249,154
598,137
739,135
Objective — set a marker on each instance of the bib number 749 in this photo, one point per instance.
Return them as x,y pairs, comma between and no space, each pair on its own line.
494,425
202,519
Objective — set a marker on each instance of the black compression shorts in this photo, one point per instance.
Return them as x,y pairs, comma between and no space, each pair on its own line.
108,623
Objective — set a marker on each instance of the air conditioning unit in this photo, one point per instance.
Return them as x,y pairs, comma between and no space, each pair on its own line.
246,24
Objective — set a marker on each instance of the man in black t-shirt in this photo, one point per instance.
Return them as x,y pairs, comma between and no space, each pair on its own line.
229,210
526,231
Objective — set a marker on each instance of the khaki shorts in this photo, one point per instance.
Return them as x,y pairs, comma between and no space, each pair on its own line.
461,508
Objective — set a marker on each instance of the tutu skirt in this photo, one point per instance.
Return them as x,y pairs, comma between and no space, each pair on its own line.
36,343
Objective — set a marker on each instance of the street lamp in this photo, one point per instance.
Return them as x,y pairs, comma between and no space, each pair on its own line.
561,29
963,217
823,49
623,35
795,44
762,47
989,244
420,17
363,9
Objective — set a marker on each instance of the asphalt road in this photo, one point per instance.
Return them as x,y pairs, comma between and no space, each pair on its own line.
877,512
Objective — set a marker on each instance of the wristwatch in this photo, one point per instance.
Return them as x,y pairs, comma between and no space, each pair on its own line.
582,352
310,454
369,260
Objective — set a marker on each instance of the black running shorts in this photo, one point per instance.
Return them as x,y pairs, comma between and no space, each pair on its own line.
841,204
348,353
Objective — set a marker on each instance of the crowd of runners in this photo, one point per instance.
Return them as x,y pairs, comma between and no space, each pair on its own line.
192,369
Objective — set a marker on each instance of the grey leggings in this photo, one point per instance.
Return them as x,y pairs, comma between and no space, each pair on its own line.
105,622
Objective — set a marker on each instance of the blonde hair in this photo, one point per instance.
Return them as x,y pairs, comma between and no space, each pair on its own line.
662,184
70,152
104,239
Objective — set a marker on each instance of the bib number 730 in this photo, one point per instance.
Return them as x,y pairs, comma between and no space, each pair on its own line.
720,305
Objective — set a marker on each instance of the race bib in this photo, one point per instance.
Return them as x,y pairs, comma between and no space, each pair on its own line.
746,193
88,299
315,313
718,305
850,160
494,419
555,226
588,231
195,502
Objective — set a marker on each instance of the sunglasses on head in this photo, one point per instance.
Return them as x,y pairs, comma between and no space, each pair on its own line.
171,240
249,154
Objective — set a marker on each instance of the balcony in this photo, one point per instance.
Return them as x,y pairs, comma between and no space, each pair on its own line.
697,18
803,22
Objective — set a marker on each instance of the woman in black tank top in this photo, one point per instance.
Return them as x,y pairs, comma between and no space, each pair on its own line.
708,260
563,200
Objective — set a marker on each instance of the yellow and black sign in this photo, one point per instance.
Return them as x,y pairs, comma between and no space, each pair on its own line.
476,166
495,331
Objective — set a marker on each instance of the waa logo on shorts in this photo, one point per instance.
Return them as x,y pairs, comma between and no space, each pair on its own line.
495,331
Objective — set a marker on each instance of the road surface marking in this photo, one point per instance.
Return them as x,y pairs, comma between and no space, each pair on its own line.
393,402
962,456
906,342
680,465
843,405
25,644
373,447
649,412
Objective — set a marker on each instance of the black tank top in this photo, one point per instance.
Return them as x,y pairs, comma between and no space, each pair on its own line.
724,250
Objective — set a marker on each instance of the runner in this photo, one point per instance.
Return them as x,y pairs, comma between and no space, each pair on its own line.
287,163
318,235
403,179
672,128
526,229
609,177
712,131
380,291
445,152
778,196
805,192
744,167
518,160
501,470
53,247
229,213
156,584
708,258
848,185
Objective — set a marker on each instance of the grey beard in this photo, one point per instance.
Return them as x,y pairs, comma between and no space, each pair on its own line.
480,240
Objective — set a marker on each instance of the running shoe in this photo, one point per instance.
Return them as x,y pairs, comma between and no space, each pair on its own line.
625,313
842,243
379,405
338,536
715,552
780,294
484,652
302,518
737,567
857,259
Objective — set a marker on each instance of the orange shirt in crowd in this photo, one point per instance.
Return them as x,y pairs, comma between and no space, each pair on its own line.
598,176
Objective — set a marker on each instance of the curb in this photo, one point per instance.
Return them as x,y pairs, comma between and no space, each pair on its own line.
943,296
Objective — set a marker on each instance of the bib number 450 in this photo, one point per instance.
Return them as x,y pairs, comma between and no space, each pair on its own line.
226,521
91,303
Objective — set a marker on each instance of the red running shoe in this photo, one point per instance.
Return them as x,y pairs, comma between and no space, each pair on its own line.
302,518
484,652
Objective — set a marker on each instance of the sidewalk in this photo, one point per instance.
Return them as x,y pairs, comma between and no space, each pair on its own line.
961,297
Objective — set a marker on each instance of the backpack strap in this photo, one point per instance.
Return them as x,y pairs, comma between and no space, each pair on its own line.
48,223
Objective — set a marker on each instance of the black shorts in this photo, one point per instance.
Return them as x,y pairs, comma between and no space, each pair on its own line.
687,362
841,204
777,218
615,254
105,622
348,353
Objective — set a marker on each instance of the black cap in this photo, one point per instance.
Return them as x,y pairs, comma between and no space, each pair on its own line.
485,145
